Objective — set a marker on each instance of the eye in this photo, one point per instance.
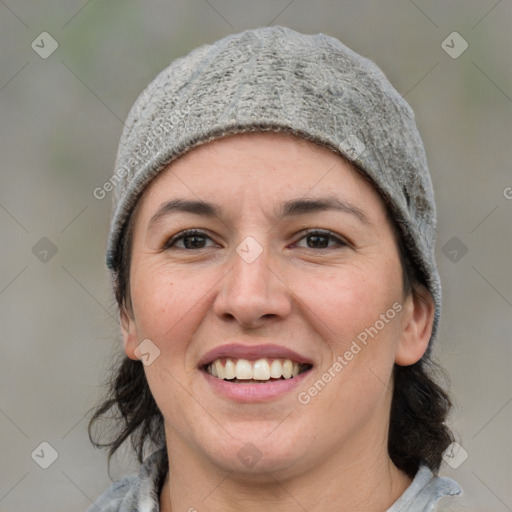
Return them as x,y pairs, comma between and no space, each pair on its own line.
190,239
320,239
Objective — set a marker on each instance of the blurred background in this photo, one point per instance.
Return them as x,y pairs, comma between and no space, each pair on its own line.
70,70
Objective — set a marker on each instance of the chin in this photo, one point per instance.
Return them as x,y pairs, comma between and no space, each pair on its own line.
258,455
256,466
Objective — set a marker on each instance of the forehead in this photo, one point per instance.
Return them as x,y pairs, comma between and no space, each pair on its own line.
262,168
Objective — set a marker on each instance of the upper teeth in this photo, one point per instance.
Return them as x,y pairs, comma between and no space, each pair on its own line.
262,369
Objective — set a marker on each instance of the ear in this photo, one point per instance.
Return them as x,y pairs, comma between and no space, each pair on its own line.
129,331
417,322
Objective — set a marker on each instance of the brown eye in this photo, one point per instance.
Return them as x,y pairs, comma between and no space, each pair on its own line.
320,239
190,239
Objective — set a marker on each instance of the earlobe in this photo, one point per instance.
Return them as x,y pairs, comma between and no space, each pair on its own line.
129,332
417,322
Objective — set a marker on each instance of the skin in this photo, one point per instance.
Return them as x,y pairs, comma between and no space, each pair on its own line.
328,455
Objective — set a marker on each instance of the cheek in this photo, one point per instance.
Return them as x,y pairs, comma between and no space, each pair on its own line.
358,318
154,302
346,303
168,305
356,312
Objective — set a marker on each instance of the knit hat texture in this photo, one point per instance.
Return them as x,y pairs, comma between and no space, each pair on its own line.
276,79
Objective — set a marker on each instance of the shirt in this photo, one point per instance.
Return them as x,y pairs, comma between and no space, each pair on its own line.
140,492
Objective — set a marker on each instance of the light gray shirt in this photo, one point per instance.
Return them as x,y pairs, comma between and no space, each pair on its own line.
140,492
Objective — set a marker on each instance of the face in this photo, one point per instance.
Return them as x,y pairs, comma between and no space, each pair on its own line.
271,262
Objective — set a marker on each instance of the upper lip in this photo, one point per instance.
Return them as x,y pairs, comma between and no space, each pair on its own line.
252,352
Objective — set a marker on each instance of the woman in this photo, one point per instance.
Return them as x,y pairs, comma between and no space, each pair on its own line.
272,248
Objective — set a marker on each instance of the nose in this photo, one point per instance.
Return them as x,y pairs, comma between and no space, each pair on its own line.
252,293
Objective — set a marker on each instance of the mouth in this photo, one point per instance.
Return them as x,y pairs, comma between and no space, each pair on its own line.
256,371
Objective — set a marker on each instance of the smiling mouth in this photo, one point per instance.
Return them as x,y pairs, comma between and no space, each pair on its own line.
244,371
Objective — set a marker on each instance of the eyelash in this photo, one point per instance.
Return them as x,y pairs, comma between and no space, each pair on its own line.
309,232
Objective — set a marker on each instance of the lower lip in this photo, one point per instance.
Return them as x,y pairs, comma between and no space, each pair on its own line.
250,393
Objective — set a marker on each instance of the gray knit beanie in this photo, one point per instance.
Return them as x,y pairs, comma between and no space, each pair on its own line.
276,79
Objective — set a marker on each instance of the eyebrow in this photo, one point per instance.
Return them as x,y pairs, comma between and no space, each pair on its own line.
294,207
